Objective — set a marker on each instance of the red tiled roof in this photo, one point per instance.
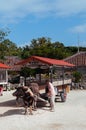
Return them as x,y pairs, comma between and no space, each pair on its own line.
4,66
48,61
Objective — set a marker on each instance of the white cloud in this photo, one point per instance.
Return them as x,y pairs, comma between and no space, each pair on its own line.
79,29
70,7
11,11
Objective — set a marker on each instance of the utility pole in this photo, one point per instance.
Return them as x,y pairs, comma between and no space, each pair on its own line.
78,42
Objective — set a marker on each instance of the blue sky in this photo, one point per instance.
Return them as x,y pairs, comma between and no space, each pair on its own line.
60,20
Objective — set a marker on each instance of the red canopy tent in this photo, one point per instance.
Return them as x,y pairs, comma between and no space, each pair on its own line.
4,66
3,76
43,62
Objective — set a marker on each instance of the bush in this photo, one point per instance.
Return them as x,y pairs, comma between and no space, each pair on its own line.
77,76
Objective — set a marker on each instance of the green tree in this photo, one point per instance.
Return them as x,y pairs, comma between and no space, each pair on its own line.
77,76
8,48
4,33
25,52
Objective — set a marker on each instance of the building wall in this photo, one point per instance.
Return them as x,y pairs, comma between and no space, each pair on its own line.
11,61
79,59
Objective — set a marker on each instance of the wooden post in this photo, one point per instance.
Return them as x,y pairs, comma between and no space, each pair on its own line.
51,73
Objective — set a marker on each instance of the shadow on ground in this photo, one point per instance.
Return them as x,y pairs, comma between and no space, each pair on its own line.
12,112
9,103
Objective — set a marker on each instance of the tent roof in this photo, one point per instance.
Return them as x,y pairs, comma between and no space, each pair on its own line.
48,61
4,66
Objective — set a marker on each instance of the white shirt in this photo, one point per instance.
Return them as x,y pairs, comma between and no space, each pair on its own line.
51,89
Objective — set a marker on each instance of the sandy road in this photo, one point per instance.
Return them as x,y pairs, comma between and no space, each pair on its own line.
70,115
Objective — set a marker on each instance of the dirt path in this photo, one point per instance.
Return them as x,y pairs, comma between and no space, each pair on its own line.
70,115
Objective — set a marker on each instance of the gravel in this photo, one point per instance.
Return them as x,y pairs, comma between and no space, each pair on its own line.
70,115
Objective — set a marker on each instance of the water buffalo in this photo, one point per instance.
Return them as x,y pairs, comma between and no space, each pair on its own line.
28,98
27,95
